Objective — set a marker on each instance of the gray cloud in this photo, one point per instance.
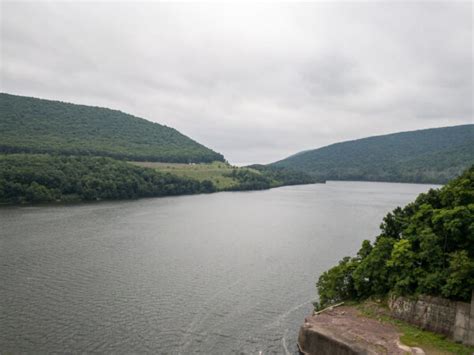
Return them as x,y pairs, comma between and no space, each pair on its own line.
254,82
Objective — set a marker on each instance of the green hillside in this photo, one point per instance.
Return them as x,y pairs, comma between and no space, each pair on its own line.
425,156
52,151
30,125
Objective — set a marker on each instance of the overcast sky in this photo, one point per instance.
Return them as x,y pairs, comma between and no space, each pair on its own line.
254,82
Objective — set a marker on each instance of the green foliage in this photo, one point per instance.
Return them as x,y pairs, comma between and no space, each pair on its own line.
371,276
425,156
248,180
402,267
284,176
425,248
337,284
226,177
365,249
259,177
43,178
30,125
460,281
213,172
36,178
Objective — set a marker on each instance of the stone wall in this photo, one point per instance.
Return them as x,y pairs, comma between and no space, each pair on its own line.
454,319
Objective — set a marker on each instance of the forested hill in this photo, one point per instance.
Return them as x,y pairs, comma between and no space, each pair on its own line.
32,125
425,156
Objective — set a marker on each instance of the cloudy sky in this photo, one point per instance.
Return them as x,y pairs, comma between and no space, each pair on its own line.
256,82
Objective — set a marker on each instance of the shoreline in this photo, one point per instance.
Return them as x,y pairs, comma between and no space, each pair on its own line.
60,203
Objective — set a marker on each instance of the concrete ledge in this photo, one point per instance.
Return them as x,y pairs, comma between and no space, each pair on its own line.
345,331
317,340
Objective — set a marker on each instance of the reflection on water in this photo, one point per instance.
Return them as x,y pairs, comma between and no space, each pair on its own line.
212,274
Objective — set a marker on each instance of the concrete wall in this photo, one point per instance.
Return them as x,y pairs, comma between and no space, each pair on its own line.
454,319
313,339
470,335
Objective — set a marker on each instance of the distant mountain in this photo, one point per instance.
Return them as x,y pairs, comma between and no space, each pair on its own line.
425,156
32,125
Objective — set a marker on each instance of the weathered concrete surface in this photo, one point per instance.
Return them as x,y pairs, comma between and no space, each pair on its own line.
344,331
461,327
431,313
315,339
454,319
470,335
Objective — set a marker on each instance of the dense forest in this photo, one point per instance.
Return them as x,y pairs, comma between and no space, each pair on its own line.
425,156
427,247
248,179
32,178
284,176
31,125
42,178
260,177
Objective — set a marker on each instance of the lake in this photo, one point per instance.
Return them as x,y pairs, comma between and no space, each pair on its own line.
230,272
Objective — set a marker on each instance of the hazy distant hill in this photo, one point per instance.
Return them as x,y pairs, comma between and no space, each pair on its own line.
41,126
431,155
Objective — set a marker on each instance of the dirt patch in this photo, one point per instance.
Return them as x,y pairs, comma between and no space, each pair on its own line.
347,327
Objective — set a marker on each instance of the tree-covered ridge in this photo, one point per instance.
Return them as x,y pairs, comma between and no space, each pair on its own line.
425,156
427,247
26,178
34,125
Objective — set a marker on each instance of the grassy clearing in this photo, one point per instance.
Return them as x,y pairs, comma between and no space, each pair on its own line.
431,343
213,172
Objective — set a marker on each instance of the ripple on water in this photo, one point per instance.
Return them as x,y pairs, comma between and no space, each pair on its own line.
211,274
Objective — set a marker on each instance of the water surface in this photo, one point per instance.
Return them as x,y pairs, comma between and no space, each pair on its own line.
213,274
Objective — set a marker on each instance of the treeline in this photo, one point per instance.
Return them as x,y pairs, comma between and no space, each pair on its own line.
248,180
28,178
31,125
426,247
32,178
285,176
260,177
168,155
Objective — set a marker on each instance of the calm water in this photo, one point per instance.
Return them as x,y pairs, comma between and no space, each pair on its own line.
210,274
